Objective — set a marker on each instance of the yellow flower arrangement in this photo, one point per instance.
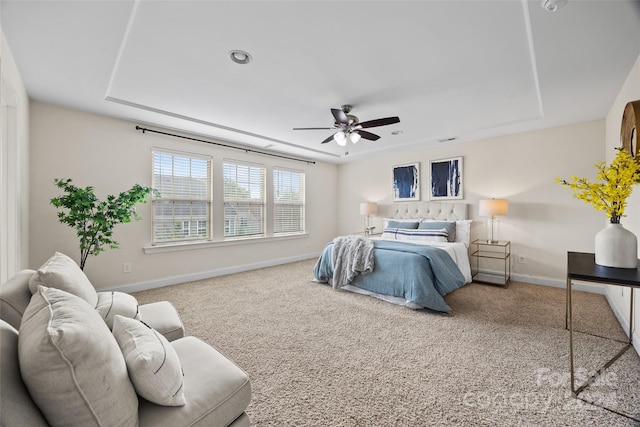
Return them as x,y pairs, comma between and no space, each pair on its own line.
615,186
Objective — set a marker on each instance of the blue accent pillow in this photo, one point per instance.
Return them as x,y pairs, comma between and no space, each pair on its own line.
403,225
437,225
424,236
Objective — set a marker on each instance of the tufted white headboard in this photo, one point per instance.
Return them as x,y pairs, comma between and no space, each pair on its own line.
425,210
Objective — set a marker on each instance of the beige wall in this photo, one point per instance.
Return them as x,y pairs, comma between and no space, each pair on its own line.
619,298
110,155
14,166
544,220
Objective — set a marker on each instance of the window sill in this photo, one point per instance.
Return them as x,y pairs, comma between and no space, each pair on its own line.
188,246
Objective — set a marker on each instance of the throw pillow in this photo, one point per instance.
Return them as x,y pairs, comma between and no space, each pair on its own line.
71,363
61,272
153,364
408,225
415,236
411,223
112,303
450,226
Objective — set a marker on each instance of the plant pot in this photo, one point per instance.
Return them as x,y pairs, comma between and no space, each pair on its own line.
616,247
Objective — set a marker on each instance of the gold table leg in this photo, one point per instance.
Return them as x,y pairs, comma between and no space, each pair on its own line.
569,322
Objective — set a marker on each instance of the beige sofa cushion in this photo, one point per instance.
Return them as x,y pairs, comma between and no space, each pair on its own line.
14,297
153,365
16,407
61,272
164,318
72,365
216,390
111,304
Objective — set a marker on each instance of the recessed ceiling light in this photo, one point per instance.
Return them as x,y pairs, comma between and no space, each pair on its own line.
553,5
397,132
239,56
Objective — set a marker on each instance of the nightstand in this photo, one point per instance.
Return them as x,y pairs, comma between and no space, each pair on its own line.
486,250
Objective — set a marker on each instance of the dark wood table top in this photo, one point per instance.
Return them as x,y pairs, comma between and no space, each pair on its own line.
582,266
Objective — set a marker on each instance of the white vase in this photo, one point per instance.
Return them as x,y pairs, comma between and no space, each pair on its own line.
616,247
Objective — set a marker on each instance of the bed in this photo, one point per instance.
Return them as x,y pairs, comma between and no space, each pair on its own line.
421,256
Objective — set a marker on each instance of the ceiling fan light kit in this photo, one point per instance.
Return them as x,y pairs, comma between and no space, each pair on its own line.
240,56
348,125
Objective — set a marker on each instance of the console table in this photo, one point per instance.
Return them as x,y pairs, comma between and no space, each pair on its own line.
582,266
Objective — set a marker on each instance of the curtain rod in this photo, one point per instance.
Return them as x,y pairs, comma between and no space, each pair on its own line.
246,150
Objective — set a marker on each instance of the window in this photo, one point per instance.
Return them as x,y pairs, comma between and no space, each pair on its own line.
244,200
288,201
182,205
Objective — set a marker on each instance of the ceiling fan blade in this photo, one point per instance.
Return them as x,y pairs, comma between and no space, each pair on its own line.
379,122
340,116
327,140
368,135
312,128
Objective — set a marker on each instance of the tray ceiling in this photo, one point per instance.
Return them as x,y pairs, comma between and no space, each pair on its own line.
448,69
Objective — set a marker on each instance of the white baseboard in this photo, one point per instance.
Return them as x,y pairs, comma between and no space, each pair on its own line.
174,280
618,311
184,278
556,283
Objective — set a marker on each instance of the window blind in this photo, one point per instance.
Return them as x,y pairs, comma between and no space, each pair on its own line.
244,199
288,201
182,203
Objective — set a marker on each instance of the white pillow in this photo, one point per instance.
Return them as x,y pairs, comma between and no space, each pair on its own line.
61,272
72,365
425,236
463,231
112,303
153,364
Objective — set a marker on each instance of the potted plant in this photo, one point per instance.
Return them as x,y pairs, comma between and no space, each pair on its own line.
615,246
93,219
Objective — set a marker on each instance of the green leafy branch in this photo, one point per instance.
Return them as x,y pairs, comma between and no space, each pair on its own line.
93,219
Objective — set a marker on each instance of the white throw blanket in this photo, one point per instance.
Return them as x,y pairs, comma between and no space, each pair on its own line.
351,255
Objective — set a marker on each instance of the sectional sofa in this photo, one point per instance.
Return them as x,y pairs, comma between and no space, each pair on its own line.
72,356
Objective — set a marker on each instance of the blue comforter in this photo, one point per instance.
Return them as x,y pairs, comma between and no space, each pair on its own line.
418,273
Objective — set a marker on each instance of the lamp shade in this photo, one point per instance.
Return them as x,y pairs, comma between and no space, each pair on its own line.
494,207
340,138
368,208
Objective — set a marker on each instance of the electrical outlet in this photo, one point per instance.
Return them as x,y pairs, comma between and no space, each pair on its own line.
127,267
521,259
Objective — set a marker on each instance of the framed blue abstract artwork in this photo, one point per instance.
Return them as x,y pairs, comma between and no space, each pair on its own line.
445,179
406,182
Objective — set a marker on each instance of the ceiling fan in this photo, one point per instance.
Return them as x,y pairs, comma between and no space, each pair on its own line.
349,126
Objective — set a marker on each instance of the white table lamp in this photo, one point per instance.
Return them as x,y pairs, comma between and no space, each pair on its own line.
368,209
492,208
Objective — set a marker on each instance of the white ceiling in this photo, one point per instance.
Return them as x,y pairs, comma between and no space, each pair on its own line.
464,69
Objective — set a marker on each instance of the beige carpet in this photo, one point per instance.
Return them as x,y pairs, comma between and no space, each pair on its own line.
319,357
